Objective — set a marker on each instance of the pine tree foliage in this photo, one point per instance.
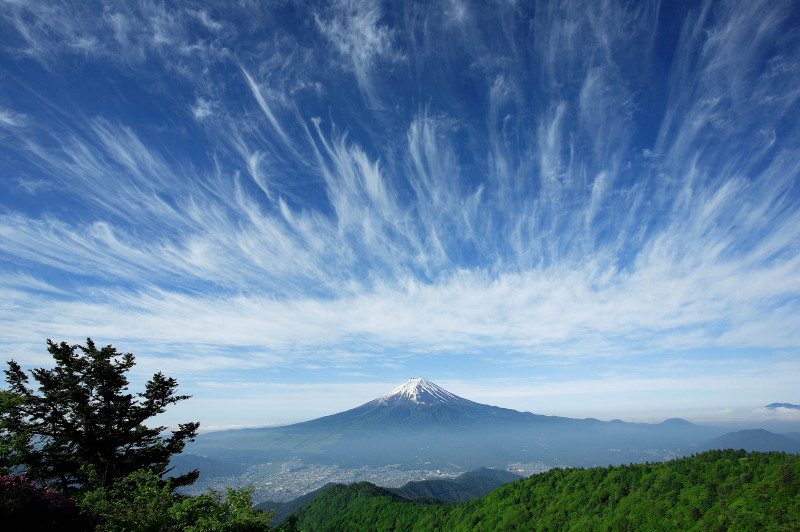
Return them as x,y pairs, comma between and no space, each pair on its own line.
82,427
12,444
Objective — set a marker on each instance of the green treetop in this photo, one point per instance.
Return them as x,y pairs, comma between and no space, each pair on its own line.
82,428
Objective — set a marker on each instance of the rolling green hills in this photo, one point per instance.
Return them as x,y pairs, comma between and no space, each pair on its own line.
715,490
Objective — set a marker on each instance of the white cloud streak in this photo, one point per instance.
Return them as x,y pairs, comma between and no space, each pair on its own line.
537,221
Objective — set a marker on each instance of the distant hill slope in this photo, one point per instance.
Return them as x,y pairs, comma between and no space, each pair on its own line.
462,488
713,490
754,440
285,509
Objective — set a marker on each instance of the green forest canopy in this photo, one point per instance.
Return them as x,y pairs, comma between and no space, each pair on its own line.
713,490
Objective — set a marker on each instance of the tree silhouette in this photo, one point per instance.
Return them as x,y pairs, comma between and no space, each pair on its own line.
82,428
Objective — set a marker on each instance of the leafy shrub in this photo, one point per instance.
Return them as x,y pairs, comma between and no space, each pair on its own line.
142,502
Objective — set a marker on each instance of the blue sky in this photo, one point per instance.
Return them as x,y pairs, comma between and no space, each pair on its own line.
573,208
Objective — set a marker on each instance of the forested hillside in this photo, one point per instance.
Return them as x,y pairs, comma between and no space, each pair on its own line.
462,488
713,490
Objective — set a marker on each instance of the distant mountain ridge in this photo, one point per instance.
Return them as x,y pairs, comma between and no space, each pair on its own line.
790,406
754,440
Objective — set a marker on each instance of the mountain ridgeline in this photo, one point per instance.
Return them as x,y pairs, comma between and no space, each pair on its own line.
715,490
422,428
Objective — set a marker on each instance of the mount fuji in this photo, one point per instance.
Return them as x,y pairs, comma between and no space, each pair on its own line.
419,426
419,402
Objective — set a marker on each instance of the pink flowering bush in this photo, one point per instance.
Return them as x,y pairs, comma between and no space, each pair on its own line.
25,506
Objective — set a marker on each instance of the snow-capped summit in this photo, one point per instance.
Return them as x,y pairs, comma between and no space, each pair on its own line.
419,391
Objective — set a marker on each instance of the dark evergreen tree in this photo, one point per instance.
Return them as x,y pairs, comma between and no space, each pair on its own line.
82,428
12,445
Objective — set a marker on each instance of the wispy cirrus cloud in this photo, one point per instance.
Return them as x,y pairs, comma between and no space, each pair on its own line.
561,183
11,119
354,29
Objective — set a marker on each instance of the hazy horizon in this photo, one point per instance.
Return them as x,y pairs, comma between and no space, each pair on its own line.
570,208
